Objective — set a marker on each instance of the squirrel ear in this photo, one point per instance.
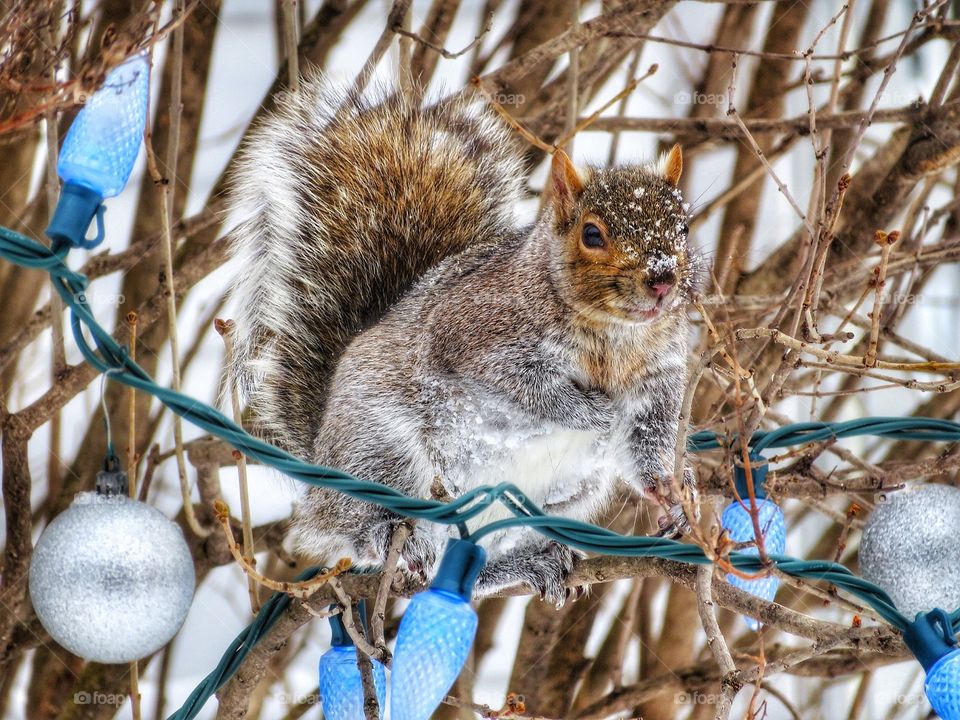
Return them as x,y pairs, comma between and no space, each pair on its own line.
672,165
567,183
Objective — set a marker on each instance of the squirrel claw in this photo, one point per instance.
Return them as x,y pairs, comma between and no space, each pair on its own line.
551,590
418,553
416,569
552,579
555,596
673,524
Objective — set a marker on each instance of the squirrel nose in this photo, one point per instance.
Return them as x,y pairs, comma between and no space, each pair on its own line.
661,284
661,289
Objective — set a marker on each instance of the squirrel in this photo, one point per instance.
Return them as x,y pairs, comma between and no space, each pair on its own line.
395,321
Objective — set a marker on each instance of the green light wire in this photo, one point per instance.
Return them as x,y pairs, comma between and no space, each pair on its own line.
238,650
110,357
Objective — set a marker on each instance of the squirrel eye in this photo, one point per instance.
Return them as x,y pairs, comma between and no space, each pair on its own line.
592,237
686,229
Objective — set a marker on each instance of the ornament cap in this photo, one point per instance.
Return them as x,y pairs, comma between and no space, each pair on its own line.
758,473
339,637
338,633
76,209
462,562
930,637
112,480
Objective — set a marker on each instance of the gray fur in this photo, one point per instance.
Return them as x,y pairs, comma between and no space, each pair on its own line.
497,364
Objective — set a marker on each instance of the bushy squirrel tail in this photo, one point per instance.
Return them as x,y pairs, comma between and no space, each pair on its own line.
345,201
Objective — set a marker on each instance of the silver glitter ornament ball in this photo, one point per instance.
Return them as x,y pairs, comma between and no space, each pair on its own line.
111,579
910,549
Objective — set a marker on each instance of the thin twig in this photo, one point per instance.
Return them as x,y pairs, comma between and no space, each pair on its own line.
573,84
56,302
133,457
132,490
730,679
289,8
390,569
514,707
167,188
833,357
622,108
586,122
444,53
886,241
517,126
817,202
888,72
937,386
745,183
732,112
721,128
302,589
774,55
394,21
814,287
355,633
225,329
715,338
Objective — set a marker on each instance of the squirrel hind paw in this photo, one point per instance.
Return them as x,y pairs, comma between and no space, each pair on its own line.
553,586
544,570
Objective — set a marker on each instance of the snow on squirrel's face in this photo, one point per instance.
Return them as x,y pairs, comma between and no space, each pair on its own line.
626,249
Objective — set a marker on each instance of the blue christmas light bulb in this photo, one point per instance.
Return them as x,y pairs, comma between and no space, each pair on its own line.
435,635
100,149
738,523
341,688
931,638
943,686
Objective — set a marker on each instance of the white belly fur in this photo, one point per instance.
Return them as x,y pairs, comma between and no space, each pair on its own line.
548,467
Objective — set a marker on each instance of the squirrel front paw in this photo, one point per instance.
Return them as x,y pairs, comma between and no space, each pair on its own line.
544,569
419,552
674,523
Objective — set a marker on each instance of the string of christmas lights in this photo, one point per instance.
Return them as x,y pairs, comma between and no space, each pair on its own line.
110,356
